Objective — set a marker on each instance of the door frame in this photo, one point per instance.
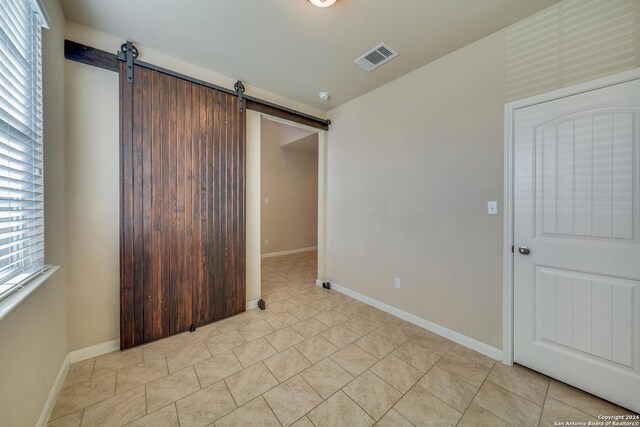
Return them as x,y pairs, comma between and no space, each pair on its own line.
254,202
508,243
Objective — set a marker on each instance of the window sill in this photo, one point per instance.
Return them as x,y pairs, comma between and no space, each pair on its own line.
12,301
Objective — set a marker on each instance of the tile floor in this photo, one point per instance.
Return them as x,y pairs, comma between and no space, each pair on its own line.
313,358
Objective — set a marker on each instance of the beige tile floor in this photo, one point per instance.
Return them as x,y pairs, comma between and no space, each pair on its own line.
313,358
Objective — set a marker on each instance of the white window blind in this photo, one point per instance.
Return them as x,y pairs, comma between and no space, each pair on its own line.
21,181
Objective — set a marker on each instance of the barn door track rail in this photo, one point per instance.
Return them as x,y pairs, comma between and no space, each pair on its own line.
129,53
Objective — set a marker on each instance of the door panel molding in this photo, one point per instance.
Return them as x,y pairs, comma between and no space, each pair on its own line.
602,333
568,203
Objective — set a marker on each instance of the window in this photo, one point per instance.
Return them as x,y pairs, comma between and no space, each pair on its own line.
21,180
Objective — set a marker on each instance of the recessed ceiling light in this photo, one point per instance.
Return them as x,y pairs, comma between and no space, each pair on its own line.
323,96
322,3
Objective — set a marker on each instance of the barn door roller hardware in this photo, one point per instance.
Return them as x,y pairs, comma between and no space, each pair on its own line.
128,52
239,87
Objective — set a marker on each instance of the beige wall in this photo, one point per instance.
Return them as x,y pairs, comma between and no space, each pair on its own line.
93,184
412,164
109,43
33,337
93,200
289,179
253,132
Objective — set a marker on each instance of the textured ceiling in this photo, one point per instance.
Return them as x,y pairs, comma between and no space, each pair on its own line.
295,49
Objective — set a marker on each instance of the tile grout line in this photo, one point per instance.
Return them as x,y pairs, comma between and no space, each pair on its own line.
93,368
146,406
230,394
522,397
81,416
544,402
177,415
509,391
333,394
395,403
371,415
487,409
463,379
183,397
329,356
329,298
415,384
435,366
474,397
322,399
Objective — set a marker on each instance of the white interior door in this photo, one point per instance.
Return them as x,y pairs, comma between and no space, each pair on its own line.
577,212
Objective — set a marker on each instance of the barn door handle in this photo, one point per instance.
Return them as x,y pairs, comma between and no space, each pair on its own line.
524,250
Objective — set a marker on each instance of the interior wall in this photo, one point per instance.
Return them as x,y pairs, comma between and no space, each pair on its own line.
33,337
289,180
252,179
109,43
93,215
412,164
93,184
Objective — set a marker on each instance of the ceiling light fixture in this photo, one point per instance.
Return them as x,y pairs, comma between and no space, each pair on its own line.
322,3
323,96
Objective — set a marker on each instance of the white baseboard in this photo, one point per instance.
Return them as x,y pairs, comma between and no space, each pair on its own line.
479,346
53,393
292,251
94,350
252,304
72,357
319,282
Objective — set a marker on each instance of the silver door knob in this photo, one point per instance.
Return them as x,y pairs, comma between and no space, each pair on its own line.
524,250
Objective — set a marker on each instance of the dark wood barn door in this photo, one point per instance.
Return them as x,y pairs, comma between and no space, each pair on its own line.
182,237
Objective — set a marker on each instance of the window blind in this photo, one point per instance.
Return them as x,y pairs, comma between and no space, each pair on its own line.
21,178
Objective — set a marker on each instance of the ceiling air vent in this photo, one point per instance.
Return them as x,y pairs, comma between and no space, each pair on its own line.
376,57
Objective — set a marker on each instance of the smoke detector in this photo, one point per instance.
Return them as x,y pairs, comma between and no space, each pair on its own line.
323,96
376,57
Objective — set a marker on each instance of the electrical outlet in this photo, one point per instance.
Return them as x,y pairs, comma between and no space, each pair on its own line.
266,241
396,282
266,200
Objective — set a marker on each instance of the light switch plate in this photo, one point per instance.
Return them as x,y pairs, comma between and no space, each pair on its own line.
396,282
492,208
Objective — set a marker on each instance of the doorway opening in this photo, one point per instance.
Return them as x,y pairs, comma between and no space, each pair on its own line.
289,210
286,203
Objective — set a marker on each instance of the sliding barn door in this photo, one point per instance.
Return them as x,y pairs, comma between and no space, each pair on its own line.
182,237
